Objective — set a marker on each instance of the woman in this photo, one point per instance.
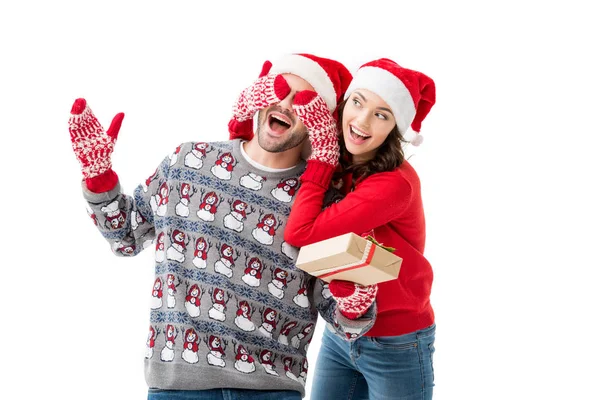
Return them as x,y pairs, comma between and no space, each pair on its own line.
383,199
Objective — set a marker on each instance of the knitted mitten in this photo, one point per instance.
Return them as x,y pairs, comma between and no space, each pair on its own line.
322,128
93,147
353,300
266,91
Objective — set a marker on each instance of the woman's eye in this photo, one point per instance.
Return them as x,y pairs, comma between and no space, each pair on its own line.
381,116
356,102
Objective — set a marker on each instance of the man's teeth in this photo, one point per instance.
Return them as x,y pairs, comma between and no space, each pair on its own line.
358,133
280,120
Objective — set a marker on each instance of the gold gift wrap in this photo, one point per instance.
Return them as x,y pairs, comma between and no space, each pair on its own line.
349,257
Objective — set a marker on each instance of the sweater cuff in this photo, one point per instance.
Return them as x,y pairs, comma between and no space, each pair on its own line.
98,198
105,182
318,172
362,323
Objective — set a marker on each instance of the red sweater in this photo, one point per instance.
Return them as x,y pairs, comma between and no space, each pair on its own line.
388,206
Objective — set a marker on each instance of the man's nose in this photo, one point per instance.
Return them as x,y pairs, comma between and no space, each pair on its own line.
288,101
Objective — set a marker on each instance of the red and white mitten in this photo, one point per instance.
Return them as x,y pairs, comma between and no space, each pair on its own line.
353,300
93,147
322,127
264,92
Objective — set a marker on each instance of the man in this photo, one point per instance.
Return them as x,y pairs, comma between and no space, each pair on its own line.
227,295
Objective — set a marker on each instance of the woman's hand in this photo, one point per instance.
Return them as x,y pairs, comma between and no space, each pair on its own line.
353,300
322,128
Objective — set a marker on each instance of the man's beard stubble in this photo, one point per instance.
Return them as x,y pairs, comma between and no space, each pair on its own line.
294,138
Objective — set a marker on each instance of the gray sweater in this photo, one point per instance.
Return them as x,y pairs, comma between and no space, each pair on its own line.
229,309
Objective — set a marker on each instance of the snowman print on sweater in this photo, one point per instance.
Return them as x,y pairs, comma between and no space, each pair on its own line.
124,249
270,320
190,346
115,218
148,181
239,212
288,364
159,201
179,242
267,360
252,181
157,294
223,167
193,299
219,306
159,251
167,354
208,207
304,333
137,219
186,192
244,362
195,157
285,190
279,282
301,297
171,291
201,248
303,372
243,316
284,333
150,342
174,156
253,272
225,264
289,251
325,292
216,354
266,229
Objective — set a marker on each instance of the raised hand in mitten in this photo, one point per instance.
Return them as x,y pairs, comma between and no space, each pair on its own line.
322,127
93,147
353,300
264,92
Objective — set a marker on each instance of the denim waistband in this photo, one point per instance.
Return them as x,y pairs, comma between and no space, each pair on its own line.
412,336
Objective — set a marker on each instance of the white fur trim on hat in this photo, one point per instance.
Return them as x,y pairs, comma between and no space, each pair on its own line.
391,89
311,72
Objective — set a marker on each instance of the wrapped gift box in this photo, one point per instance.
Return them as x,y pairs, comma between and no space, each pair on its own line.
349,257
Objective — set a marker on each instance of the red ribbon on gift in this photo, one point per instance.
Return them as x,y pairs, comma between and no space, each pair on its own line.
371,251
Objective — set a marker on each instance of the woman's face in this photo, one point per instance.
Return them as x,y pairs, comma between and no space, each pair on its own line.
366,123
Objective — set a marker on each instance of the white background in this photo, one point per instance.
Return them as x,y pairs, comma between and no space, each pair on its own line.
509,169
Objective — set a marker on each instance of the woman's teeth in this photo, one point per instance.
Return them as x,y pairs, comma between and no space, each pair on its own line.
357,135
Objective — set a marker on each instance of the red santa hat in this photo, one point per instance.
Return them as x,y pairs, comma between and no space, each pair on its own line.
329,77
410,94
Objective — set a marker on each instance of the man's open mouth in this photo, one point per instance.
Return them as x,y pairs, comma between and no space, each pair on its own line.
279,123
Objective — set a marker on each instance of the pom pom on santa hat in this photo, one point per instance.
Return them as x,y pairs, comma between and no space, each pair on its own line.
410,94
330,78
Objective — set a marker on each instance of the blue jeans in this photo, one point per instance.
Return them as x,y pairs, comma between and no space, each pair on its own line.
223,394
377,368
